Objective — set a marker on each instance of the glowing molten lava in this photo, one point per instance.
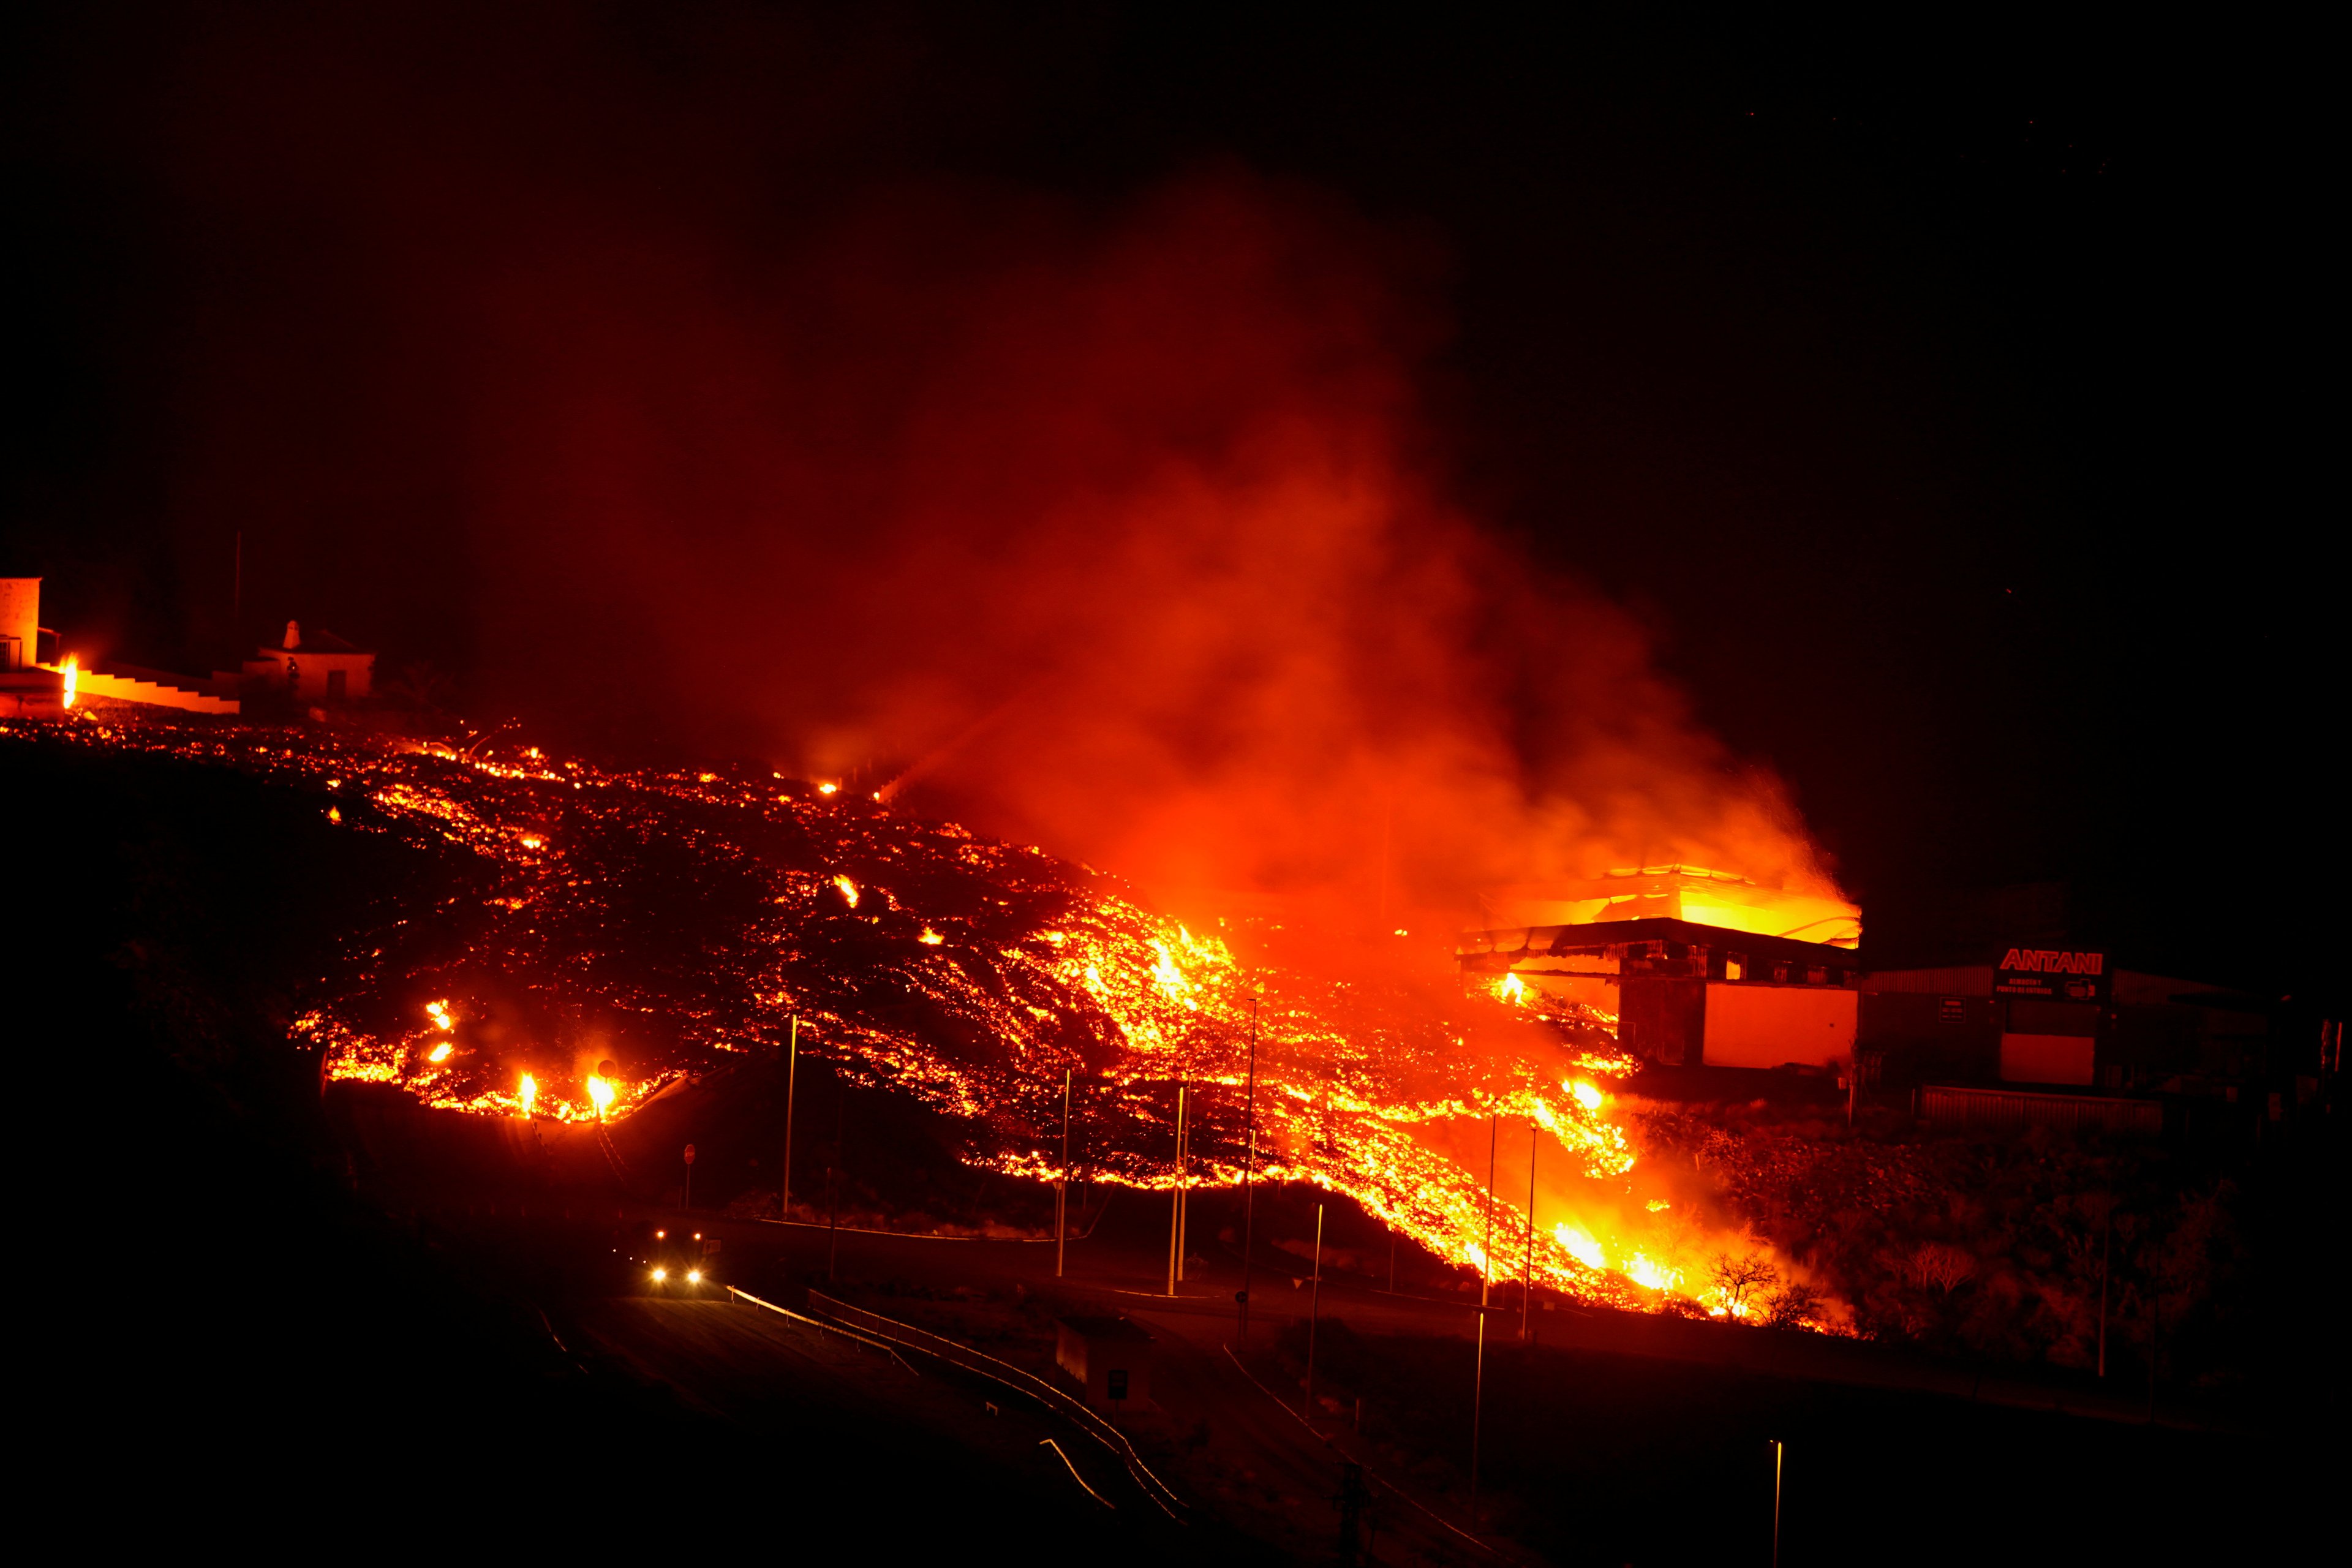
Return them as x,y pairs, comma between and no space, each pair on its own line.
699,913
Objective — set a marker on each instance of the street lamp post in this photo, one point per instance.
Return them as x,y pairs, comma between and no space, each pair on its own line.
1528,1289
1176,1196
792,1080
1779,1451
1485,1271
1062,1194
1249,1172
1314,1306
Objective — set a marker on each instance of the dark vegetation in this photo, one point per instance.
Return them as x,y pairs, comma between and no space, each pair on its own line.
1995,1249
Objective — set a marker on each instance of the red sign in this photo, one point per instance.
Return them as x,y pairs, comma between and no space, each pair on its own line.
689,1153
2055,973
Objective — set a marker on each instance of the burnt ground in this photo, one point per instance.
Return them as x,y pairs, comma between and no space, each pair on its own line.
293,1332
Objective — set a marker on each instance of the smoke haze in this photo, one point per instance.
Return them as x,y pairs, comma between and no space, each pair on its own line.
1119,517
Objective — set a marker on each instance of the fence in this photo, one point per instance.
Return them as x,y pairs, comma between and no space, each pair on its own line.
2008,1110
1037,1388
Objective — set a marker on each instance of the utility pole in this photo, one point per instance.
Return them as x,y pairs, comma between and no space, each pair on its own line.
686,1194
1779,1450
1062,1188
1176,1198
833,1175
2106,1248
1485,1253
1184,1193
1249,1172
833,1222
1314,1306
1527,1291
792,1078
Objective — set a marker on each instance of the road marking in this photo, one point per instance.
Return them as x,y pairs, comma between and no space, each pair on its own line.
1049,1443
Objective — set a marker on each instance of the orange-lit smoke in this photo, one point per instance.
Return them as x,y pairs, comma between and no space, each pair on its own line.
1125,537
1124,523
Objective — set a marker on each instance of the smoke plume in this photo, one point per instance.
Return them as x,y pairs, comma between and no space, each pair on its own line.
1118,521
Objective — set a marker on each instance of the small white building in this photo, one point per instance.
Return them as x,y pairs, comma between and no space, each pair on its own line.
319,669
27,690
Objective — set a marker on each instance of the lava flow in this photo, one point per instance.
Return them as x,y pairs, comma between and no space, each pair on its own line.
596,934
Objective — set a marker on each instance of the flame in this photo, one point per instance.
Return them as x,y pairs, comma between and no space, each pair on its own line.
1579,1244
1652,1276
829,789
1512,990
930,938
439,1012
848,889
1586,1095
601,1093
335,815
527,1091
532,841
439,1053
71,670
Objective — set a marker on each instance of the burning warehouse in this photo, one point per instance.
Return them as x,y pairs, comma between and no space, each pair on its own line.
1701,968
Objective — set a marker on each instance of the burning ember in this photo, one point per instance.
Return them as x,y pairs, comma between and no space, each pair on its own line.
673,921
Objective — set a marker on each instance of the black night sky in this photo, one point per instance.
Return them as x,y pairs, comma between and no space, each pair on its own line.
1933,394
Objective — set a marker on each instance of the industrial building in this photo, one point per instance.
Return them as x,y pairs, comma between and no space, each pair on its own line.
2061,1017
1688,963
1694,964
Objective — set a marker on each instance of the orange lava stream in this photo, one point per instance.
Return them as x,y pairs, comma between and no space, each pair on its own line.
968,973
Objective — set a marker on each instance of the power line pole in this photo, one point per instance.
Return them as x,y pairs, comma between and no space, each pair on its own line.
1184,1193
1249,1172
1062,1188
833,1178
1176,1198
1313,1305
1779,1451
792,1078
2106,1248
1485,1253
1527,1290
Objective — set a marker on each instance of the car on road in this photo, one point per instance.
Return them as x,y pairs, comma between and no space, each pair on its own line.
669,1259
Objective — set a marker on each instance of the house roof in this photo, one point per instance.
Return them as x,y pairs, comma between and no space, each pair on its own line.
315,642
